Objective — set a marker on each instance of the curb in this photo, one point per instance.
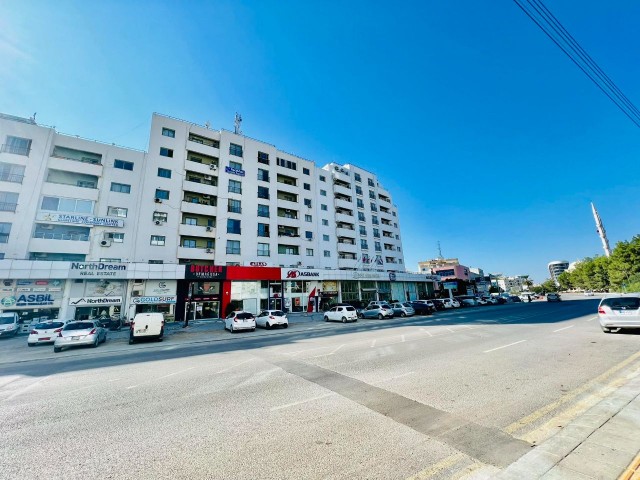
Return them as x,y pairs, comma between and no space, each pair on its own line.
633,470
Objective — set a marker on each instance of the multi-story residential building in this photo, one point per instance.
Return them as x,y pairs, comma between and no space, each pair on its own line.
88,228
556,268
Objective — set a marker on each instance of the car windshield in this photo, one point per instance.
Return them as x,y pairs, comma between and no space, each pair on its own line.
44,326
622,303
277,313
6,320
350,309
245,316
79,326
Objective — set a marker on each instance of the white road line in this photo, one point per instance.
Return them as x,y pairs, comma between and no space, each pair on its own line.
287,405
27,388
402,337
373,343
233,366
451,330
590,319
560,329
504,346
159,378
425,330
334,351
114,379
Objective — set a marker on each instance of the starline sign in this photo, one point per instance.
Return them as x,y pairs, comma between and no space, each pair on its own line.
301,273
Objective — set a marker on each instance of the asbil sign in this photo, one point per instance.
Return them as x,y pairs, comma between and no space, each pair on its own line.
97,270
27,301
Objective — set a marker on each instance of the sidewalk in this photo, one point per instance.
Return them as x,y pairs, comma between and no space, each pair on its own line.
603,443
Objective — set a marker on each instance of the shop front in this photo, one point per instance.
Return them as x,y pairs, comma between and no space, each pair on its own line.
198,296
253,289
154,296
96,299
33,300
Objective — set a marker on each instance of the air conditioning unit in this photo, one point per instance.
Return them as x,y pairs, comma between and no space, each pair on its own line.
158,222
209,229
158,200
105,243
287,211
137,293
206,196
209,250
213,167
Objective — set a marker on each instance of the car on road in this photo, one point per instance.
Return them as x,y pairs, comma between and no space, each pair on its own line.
45,332
439,304
422,308
240,320
403,309
515,299
619,312
468,301
147,326
588,293
377,311
272,318
553,297
341,313
491,300
482,301
428,303
9,324
80,333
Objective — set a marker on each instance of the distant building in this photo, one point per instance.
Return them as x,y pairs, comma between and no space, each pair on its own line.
511,284
446,268
556,268
429,265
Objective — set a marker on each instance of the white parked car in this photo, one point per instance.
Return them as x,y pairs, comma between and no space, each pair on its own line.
588,293
491,300
77,333
482,301
403,309
619,312
45,332
240,320
148,326
450,303
9,324
341,313
272,318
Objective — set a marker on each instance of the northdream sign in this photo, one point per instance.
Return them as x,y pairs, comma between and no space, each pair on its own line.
97,270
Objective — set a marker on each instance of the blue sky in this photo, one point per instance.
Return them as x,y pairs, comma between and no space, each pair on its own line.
490,140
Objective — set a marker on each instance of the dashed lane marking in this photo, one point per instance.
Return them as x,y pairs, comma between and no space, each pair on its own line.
293,404
504,346
563,328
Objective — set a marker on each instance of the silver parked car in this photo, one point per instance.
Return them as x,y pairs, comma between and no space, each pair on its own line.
83,332
377,311
403,309
621,311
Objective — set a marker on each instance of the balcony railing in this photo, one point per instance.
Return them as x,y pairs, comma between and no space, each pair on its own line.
16,149
11,177
78,237
93,161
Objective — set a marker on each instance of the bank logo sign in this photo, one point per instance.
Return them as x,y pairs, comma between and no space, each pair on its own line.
98,270
80,219
78,302
301,273
27,300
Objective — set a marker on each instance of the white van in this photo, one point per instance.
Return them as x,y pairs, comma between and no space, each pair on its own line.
147,325
8,324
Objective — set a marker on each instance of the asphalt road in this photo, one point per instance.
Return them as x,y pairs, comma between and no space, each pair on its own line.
454,395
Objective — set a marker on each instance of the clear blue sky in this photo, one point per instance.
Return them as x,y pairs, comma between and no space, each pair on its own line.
488,137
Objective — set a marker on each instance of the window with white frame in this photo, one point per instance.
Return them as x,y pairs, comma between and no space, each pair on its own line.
117,212
263,250
158,240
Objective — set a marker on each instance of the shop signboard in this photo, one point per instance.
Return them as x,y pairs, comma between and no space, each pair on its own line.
97,270
450,285
82,301
294,274
368,275
80,219
154,288
154,300
204,272
31,300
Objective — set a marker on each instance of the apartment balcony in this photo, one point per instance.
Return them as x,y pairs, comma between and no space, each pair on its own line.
60,243
343,217
208,150
288,222
87,168
340,190
196,231
70,191
285,187
202,208
347,263
199,187
341,176
345,232
196,253
202,168
340,203
347,248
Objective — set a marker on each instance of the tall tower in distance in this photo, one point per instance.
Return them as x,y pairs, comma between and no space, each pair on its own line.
601,231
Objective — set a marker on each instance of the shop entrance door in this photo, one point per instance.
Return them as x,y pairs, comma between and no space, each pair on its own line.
275,304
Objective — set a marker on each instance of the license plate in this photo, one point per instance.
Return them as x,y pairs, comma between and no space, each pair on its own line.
75,338
42,339
624,312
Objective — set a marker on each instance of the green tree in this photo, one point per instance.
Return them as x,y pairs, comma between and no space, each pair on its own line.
624,262
565,281
549,286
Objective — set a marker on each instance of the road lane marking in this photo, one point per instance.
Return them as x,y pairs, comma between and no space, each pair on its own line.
288,405
159,378
433,470
334,351
233,366
425,330
373,343
564,328
27,388
541,412
504,346
590,319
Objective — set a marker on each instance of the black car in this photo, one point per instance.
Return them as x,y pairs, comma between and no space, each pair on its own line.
421,308
515,298
439,304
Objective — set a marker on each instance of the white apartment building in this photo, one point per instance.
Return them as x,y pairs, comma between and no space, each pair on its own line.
199,196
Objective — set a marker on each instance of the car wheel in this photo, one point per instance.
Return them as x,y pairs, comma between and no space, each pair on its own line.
606,330
57,349
286,325
326,319
96,343
31,344
231,328
267,326
403,314
131,339
253,329
380,317
360,315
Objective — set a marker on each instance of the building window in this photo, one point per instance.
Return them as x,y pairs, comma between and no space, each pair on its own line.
263,192
235,186
263,230
115,237
235,165
17,145
120,187
162,194
156,262
158,240
234,206
160,217
363,230
263,250
309,252
263,175
372,194
363,244
327,253
70,205
357,177
376,233
287,163
305,171
393,213
325,238
233,247
10,172
307,202
358,190
377,246
164,172
117,212
263,158
361,217
323,207
374,207
110,260
359,203
308,235
308,218
323,193
263,211
167,132
233,226
325,222
287,250
235,150
5,231
188,243
370,182
307,186
374,220
8,201
190,221
122,165
323,178
166,152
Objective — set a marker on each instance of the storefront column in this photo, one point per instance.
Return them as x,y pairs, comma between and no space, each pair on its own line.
225,298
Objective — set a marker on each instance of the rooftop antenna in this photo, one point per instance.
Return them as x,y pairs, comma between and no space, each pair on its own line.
237,122
601,231
207,124
33,118
440,251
